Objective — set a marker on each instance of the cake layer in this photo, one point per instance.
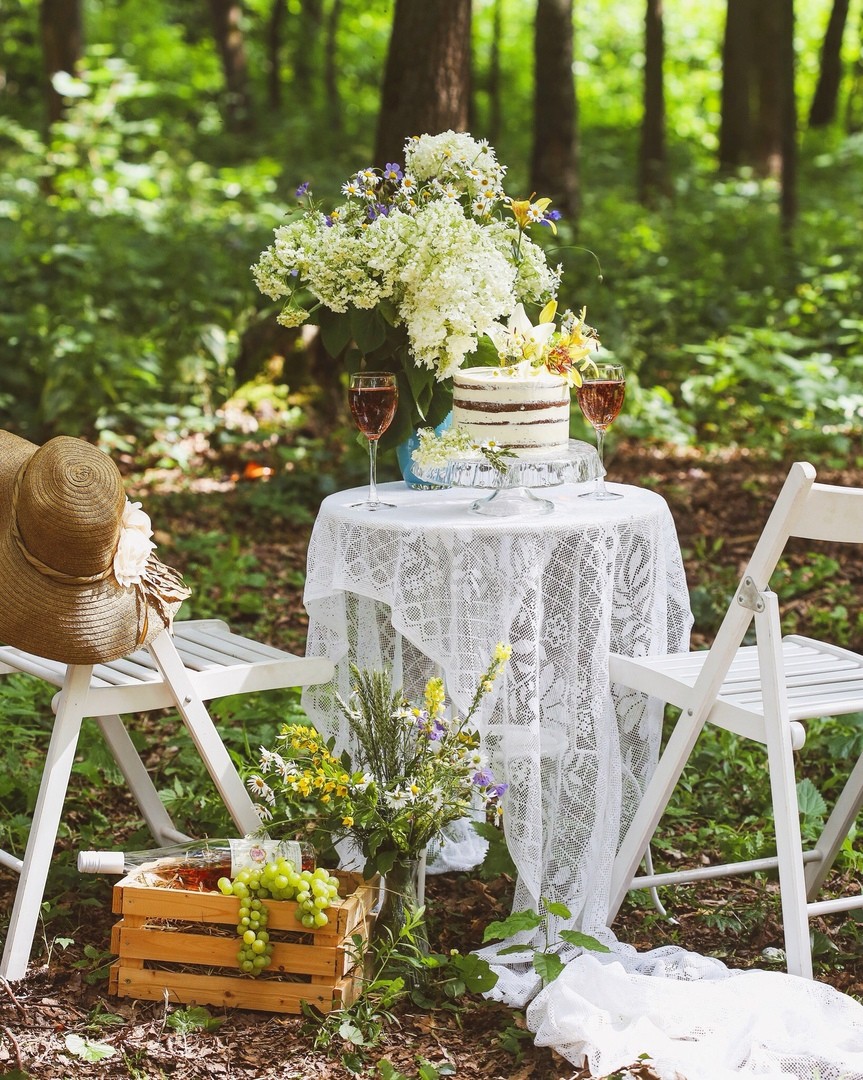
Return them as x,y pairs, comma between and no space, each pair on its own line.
527,413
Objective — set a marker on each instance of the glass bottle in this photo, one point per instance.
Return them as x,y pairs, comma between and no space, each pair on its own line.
198,864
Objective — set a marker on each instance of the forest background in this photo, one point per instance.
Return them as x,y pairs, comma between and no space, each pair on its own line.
712,227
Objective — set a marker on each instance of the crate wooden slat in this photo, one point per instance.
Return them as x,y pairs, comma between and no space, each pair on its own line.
172,941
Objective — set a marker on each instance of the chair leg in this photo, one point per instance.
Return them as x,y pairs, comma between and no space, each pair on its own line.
206,738
46,820
152,808
837,827
783,786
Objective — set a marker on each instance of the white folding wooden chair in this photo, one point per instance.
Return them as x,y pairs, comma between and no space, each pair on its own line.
203,660
761,692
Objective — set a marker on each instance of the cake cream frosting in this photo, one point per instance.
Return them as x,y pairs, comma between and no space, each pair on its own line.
526,412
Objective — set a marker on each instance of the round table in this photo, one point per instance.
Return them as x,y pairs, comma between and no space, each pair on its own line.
429,588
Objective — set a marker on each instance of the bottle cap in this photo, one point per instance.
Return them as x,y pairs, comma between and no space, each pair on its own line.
101,862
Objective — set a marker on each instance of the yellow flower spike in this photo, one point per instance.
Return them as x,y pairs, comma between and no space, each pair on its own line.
434,696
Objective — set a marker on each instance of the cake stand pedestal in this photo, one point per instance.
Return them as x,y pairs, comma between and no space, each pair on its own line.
512,487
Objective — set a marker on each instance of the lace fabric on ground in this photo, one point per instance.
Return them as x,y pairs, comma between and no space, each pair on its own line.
697,1020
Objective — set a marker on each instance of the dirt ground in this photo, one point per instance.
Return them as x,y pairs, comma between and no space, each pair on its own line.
728,499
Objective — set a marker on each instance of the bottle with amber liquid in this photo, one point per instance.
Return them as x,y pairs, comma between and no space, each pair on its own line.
198,864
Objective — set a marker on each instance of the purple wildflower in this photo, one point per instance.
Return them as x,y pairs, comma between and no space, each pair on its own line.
483,778
498,789
303,188
376,210
549,216
392,172
329,221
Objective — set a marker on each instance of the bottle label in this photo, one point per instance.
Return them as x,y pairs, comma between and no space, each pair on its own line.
248,854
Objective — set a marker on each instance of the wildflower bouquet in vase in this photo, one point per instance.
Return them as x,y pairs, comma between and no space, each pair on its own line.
412,267
411,769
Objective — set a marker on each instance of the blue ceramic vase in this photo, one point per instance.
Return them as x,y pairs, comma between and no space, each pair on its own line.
405,449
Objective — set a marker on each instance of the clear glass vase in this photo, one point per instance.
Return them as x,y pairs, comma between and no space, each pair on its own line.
399,905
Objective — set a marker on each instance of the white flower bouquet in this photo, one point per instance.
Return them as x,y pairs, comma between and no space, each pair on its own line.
413,267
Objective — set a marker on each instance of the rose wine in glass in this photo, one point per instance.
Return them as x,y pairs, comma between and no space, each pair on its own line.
373,396
600,397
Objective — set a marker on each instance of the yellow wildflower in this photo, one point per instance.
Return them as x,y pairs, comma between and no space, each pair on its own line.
434,697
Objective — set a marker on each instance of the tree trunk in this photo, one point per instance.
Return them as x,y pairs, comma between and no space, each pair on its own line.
331,67
554,163
735,129
770,74
823,110
494,102
426,86
788,140
307,36
652,178
228,34
854,104
275,26
62,32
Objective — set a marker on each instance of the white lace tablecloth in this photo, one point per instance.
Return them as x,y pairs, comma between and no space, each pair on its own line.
430,586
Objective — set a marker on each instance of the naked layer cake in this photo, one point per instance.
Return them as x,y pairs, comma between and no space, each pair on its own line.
527,413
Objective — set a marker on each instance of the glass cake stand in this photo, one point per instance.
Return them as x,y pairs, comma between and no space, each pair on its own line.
512,488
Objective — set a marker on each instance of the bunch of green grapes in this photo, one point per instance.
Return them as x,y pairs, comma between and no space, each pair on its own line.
313,891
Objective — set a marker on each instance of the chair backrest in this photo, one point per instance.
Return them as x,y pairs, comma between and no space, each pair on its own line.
802,509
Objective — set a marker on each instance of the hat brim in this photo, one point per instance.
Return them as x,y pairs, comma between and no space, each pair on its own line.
73,624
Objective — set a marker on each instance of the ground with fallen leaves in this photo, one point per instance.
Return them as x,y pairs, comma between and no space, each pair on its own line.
60,998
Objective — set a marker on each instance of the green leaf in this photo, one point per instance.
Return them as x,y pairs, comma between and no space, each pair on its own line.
197,1018
583,941
809,800
517,922
547,965
368,329
475,972
554,908
497,859
511,950
387,1071
335,330
351,1033
87,1049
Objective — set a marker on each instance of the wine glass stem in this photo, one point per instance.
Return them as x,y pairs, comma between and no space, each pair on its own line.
373,471
600,444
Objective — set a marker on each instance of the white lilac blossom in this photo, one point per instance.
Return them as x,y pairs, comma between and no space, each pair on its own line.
440,245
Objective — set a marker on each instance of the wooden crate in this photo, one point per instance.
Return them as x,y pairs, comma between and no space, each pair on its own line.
171,943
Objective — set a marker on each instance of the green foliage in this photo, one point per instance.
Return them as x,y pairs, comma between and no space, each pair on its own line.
128,231
546,962
95,964
194,1019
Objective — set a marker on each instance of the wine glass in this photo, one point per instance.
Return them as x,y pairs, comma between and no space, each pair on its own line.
601,399
373,396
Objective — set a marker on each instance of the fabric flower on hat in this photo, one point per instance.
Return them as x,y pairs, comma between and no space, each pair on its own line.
134,546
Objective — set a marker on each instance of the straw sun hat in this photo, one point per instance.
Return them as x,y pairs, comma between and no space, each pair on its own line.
78,579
